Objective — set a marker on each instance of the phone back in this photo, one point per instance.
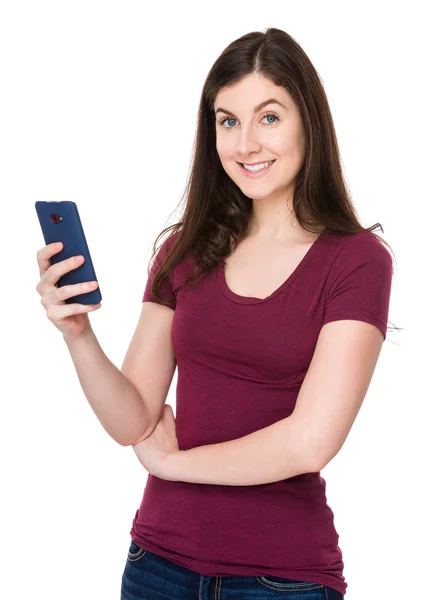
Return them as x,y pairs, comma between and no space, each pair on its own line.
60,222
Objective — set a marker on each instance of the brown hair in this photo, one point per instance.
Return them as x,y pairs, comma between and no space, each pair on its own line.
217,213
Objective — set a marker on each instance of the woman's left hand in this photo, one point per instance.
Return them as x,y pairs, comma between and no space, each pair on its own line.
156,447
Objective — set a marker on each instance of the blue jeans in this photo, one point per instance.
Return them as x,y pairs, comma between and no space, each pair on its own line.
150,576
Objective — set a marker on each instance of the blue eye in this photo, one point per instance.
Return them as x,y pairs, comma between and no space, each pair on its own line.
222,121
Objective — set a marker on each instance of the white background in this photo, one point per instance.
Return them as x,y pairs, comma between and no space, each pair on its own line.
98,105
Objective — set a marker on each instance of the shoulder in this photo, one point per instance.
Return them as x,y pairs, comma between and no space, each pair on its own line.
169,241
361,260
362,246
167,244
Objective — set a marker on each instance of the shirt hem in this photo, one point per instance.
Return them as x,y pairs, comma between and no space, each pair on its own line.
242,571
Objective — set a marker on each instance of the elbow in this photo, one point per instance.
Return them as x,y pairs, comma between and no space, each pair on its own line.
124,444
312,455
307,457
122,441
142,437
321,458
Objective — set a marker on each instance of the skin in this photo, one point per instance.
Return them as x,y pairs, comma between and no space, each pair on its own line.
251,138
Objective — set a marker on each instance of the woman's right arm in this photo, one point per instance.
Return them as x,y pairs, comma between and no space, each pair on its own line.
114,399
128,411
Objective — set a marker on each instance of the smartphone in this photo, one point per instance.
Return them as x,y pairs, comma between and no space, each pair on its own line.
60,222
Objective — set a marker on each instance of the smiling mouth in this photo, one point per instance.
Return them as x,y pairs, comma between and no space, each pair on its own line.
259,170
261,162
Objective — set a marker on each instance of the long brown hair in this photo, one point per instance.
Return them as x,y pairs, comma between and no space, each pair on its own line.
217,213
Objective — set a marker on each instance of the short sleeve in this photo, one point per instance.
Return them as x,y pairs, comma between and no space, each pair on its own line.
166,287
360,282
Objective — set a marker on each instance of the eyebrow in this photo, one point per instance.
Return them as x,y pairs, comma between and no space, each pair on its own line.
256,109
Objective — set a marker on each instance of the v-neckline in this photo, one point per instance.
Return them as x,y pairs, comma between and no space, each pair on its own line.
221,278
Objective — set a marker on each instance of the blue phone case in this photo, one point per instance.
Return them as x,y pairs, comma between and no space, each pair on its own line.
60,222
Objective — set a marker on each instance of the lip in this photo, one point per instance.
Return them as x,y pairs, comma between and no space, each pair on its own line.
264,171
257,163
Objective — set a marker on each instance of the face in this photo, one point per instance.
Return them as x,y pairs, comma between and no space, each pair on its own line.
271,133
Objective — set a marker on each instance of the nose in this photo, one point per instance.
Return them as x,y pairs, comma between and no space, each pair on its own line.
247,141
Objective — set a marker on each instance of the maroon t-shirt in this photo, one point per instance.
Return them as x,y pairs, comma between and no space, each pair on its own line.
241,362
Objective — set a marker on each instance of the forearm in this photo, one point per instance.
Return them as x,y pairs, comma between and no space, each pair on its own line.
113,397
271,454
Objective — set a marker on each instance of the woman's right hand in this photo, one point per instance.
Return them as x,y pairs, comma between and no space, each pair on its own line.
71,319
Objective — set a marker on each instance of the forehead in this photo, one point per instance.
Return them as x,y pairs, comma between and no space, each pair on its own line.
249,92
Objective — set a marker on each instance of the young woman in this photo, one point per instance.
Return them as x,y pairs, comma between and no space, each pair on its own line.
272,300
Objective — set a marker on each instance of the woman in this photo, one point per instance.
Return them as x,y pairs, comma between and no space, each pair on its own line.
273,301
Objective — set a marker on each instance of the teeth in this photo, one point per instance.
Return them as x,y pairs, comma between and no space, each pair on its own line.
257,167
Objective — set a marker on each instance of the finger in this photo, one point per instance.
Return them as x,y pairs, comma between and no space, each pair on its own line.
55,272
68,291
59,295
57,312
44,255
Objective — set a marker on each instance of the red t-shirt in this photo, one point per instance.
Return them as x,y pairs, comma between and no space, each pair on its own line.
241,362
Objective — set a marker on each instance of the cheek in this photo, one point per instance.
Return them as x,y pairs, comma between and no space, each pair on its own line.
284,145
224,148
291,151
